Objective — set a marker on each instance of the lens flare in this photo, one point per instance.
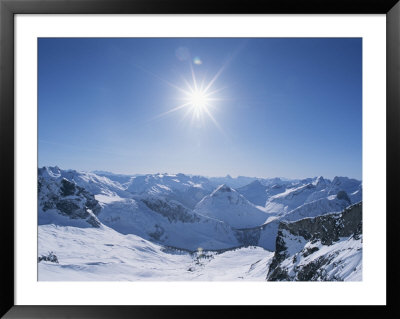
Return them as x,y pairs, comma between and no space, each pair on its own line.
197,60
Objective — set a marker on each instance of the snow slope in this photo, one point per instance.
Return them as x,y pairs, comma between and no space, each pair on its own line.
167,222
102,254
290,199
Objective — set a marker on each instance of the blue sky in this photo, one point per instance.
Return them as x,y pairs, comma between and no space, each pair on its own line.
280,107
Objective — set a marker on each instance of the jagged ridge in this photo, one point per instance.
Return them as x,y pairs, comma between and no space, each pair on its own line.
314,248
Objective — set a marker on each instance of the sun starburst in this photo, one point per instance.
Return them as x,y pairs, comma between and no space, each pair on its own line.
198,99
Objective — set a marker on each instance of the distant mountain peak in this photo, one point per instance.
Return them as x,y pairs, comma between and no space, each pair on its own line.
319,181
256,183
100,172
337,180
50,171
228,205
222,189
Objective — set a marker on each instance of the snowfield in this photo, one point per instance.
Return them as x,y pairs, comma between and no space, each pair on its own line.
102,254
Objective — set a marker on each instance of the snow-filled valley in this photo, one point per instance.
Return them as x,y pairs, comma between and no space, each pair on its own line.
102,254
101,226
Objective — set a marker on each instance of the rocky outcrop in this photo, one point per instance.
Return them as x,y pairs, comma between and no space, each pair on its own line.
327,228
51,257
343,196
68,199
299,245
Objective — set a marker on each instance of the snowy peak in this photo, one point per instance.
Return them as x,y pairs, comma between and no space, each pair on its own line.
161,183
256,192
93,183
319,182
289,199
223,194
120,178
188,190
221,189
236,182
310,190
344,183
227,205
255,185
293,192
50,171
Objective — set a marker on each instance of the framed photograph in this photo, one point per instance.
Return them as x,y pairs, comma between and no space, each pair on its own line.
162,154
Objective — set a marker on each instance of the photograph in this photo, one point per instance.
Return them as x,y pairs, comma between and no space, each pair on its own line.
199,159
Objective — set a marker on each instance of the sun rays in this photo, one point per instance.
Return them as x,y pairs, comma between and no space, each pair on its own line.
199,98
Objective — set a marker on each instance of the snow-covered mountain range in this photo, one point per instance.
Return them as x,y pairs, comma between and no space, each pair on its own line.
169,213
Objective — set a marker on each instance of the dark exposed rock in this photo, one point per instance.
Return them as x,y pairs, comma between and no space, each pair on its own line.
68,199
222,189
314,270
279,256
310,251
279,274
67,188
326,229
70,208
343,196
50,257
93,204
172,210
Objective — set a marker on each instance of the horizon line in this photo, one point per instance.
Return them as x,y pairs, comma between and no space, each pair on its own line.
96,171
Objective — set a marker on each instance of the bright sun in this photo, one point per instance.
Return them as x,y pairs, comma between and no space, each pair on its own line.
198,100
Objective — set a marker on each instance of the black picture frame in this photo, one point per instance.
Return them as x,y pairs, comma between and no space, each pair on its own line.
8,8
